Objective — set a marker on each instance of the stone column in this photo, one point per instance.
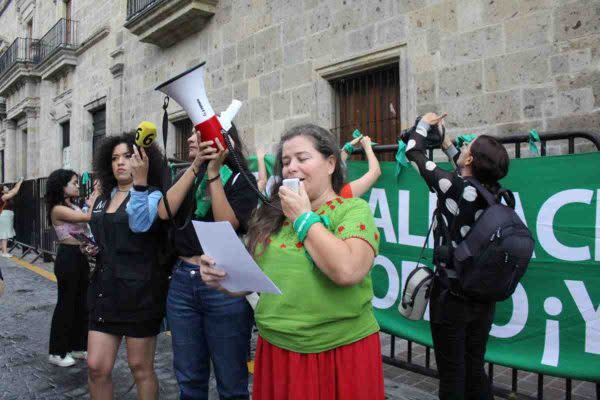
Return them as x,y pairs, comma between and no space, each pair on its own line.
10,150
33,152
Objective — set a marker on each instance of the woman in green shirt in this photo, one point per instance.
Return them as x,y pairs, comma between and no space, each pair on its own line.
319,339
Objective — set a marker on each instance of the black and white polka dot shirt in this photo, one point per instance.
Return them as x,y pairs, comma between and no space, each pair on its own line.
458,200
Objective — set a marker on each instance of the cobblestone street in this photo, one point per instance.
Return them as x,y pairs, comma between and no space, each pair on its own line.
25,373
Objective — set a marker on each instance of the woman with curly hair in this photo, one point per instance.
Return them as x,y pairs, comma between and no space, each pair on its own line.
128,289
68,332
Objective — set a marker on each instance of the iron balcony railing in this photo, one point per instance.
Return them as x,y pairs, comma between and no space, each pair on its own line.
63,35
21,50
136,7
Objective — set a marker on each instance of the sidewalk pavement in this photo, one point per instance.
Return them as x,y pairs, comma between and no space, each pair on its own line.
26,311
25,373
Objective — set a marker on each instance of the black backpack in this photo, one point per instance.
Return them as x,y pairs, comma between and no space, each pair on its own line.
489,262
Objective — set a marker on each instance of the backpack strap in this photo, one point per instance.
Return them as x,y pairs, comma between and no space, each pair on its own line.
487,195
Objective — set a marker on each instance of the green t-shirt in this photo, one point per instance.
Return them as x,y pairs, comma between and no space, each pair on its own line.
314,314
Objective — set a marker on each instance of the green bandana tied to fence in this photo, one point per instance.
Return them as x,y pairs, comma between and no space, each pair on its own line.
356,134
534,137
462,139
401,160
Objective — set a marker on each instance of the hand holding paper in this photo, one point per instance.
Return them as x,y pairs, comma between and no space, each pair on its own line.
220,242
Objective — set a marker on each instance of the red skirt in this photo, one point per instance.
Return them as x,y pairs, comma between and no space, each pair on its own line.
351,372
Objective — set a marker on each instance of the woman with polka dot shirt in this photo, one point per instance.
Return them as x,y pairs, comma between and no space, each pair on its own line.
460,327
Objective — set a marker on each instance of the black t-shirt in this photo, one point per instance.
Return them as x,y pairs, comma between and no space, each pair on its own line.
242,199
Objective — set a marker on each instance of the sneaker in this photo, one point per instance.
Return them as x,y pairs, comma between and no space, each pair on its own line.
81,355
7,255
65,361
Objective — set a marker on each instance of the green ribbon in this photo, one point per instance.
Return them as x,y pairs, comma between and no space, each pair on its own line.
85,178
348,148
172,170
401,160
534,137
203,200
356,134
462,139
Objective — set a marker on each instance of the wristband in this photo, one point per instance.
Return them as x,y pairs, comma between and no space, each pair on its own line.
303,223
348,148
140,188
214,179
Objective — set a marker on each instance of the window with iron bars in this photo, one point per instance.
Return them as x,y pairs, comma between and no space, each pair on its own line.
369,101
183,130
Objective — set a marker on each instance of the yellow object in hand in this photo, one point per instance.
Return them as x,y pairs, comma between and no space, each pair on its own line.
145,134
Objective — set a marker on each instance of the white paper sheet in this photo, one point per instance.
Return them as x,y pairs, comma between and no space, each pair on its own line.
219,240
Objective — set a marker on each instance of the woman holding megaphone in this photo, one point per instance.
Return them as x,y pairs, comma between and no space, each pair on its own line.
207,325
127,291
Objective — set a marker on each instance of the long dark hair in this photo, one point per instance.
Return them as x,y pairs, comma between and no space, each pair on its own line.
103,161
490,161
55,189
268,220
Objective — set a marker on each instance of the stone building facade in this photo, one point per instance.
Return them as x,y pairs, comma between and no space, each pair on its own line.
89,67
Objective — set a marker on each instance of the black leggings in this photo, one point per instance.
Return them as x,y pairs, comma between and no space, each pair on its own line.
69,322
459,350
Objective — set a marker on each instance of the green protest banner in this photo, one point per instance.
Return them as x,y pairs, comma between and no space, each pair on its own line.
551,325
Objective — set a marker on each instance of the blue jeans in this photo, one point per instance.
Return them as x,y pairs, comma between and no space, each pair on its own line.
207,325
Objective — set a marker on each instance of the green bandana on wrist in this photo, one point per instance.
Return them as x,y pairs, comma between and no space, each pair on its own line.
203,200
348,148
303,223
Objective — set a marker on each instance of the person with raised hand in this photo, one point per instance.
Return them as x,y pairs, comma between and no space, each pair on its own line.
69,327
128,287
362,185
7,216
207,325
459,326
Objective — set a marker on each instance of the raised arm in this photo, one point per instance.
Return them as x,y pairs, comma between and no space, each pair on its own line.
346,151
13,192
221,208
66,214
437,179
262,169
362,185
177,193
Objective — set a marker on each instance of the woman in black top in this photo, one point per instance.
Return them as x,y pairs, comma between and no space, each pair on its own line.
460,327
207,325
127,292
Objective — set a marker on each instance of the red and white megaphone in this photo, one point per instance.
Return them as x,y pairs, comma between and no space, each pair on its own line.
187,89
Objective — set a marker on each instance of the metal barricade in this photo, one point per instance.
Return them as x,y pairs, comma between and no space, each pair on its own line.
570,140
